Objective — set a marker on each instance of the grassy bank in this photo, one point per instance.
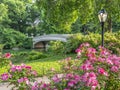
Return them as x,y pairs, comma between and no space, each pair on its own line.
41,65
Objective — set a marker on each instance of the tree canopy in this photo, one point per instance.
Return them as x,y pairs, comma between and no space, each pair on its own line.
57,16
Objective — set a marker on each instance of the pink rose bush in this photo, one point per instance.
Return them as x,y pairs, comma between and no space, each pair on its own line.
101,68
20,76
60,82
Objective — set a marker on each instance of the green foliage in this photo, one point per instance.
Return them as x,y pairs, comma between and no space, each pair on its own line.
4,59
1,48
18,14
34,55
56,46
4,62
3,12
112,83
58,15
11,38
73,42
28,44
111,41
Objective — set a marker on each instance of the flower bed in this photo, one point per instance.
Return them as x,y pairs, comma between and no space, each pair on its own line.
99,70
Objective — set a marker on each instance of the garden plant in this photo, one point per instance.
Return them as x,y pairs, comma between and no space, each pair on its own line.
94,69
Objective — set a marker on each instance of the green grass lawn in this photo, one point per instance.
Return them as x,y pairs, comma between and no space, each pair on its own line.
43,65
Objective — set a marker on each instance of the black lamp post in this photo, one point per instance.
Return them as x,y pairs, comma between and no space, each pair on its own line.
102,15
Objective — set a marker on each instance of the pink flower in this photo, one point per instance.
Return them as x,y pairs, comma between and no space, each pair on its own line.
35,86
114,69
109,61
87,66
44,86
77,78
19,68
26,80
77,50
23,65
66,89
84,45
7,55
91,50
34,73
102,71
85,77
10,76
92,82
71,83
28,67
13,68
23,79
56,79
69,75
103,51
4,76
20,80
93,75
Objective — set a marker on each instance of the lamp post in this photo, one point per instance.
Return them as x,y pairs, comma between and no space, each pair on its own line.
102,15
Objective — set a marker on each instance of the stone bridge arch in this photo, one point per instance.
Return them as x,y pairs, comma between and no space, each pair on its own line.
44,39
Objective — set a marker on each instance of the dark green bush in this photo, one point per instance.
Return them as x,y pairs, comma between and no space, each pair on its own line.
28,44
34,55
23,54
11,38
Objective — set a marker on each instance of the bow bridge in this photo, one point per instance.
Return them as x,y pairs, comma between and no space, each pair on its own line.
42,41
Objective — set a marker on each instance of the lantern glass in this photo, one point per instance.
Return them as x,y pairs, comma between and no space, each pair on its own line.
102,15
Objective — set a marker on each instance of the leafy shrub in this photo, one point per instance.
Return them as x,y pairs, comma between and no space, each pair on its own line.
73,43
11,38
34,55
23,54
57,46
111,42
28,44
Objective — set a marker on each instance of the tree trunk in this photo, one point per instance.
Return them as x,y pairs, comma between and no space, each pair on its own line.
84,29
109,24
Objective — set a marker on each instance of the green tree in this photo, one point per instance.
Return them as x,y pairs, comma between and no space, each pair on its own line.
3,12
113,9
21,14
59,15
16,14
